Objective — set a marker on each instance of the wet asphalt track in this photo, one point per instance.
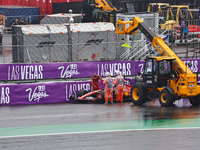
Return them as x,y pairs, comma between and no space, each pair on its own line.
92,126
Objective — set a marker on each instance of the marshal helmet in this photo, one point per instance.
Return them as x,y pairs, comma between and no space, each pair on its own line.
107,74
117,72
95,76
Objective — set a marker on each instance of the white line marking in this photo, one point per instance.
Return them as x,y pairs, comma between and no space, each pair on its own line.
104,131
47,116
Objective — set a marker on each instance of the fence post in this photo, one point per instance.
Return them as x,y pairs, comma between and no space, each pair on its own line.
27,49
69,45
18,53
187,50
70,36
118,47
49,49
4,58
78,44
107,45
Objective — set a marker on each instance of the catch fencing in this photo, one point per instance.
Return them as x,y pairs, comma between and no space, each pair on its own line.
54,43
41,42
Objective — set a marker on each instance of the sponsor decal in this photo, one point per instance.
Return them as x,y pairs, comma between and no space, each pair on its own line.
17,72
74,88
49,44
124,68
95,41
5,95
141,66
194,65
37,93
128,82
69,71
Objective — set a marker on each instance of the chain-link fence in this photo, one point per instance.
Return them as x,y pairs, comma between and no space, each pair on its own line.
93,46
183,25
54,43
59,43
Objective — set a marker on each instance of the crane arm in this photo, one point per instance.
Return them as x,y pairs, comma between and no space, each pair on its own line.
131,27
105,5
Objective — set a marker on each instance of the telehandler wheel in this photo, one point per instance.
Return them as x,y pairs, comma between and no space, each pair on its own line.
195,101
138,94
166,98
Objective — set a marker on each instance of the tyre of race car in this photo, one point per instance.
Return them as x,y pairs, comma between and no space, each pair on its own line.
138,94
166,98
102,100
195,101
72,97
81,93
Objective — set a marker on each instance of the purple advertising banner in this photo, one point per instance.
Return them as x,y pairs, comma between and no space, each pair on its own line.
59,92
76,70
46,93
63,70
40,93
195,65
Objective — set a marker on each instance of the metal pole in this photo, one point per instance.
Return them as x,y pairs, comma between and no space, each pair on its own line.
71,20
27,49
49,49
187,50
107,44
18,48
78,44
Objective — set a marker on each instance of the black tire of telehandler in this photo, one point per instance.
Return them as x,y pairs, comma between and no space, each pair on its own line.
138,94
166,98
195,101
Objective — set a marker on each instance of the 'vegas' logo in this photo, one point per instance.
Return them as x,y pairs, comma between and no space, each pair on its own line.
37,93
69,71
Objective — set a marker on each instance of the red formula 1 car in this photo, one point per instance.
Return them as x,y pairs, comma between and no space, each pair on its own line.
98,95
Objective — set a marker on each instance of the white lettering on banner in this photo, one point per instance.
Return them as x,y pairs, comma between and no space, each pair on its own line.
27,72
69,71
74,88
194,63
141,66
193,67
127,82
36,94
125,68
5,98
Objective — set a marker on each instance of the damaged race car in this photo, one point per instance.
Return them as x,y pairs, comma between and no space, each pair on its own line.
98,95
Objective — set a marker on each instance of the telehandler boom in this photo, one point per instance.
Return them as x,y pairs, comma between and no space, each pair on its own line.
105,5
165,77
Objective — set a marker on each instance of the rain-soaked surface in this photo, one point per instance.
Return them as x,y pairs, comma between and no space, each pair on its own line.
93,126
